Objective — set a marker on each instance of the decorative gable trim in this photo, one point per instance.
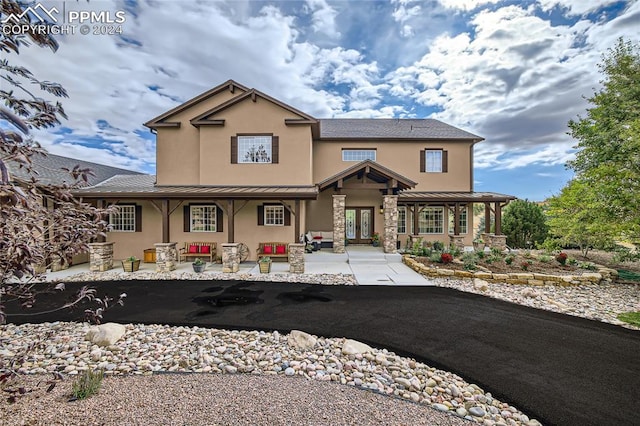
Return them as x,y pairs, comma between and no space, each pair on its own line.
253,95
159,121
368,167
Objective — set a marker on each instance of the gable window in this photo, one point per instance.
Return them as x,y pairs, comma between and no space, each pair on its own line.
433,161
358,154
254,149
274,215
126,219
203,218
431,220
463,220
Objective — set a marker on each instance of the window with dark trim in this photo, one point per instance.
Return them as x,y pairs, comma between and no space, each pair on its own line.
434,161
463,220
202,218
431,220
274,215
128,218
352,154
252,149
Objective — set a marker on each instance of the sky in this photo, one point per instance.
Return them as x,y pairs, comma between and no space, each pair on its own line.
513,72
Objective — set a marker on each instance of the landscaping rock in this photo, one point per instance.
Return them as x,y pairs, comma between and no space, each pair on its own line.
301,340
105,334
352,347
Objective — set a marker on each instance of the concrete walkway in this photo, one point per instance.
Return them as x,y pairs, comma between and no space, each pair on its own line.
370,266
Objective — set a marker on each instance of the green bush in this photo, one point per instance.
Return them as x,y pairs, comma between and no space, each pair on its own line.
587,265
480,254
509,259
544,258
87,384
623,254
435,257
469,261
438,246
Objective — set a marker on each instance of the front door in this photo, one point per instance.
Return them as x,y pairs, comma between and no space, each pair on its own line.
359,224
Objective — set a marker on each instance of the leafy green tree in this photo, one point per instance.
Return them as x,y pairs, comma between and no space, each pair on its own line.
608,160
524,224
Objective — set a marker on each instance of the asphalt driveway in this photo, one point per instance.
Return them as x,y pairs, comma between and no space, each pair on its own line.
559,369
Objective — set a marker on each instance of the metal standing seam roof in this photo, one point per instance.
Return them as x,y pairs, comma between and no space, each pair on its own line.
392,128
49,170
454,196
144,186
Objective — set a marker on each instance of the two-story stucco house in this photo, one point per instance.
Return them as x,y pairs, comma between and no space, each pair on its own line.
236,165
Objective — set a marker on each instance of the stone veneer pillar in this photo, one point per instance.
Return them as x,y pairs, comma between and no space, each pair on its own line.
166,257
100,257
230,257
390,235
339,219
296,258
457,241
499,241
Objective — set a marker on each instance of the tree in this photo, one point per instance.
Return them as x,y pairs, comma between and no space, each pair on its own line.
574,218
31,233
524,224
608,160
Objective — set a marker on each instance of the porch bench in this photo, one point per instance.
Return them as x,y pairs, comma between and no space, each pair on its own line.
195,250
272,250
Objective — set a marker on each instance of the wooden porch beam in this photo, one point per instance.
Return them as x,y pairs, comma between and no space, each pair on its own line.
165,221
296,221
230,221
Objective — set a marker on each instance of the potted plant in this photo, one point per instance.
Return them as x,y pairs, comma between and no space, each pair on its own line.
375,239
478,244
265,264
198,265
131,264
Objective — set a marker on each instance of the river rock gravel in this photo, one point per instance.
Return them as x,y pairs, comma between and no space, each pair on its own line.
155,350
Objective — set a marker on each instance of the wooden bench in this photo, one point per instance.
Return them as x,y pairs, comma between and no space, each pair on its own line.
187,251
272,251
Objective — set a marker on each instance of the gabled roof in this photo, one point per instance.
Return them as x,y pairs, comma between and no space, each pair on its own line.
373,170
159,121
392,128
252,94
49,170
144,187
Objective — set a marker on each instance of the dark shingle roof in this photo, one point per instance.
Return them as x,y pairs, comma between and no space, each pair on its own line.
391,128
50,171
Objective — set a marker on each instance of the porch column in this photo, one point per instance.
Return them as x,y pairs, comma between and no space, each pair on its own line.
100,257
498,213
230,258
166,257
230,221
390,236
339,219
165,220
296,222
296,258
487,218
100,205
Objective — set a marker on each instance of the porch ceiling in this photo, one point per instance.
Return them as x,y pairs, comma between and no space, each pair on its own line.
373,171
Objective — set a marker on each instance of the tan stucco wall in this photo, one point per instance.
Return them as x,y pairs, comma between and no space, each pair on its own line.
177,149
134,243
402,158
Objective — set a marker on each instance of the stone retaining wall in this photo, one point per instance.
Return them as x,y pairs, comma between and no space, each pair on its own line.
603,276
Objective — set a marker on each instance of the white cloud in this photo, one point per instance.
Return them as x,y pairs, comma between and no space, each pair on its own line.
324,18
466,5
575,7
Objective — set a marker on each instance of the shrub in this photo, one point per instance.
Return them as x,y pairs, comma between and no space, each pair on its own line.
572,262
525,265
469,261
587,265
562,258
496,252
438,246
544,258
480,254
435,257
623,254
87,384
455,251
508,260
446,258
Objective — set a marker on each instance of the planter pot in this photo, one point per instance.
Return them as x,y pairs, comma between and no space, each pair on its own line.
198,268
265,267
375,243
131,266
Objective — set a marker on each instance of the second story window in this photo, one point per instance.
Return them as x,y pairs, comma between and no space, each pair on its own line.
433,161
254,149
358,154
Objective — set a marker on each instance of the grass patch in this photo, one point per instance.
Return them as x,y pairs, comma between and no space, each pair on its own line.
628,275
87,384
632,318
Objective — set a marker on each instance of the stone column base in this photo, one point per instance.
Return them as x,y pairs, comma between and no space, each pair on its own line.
296,258
339,222
390,236
457,241
499,242
166,257
230,258
100,257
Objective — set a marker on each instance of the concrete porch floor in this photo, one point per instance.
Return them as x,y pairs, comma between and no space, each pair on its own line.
370,266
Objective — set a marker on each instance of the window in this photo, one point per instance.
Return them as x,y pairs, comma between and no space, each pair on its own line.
463,220
433,159
124,220
274,215
254,149
358,154
431,220
203,218
402,220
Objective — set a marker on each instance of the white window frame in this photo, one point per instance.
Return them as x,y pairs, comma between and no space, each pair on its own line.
245,143
433,161
124,219
464,223
438,229
359,154
273,215
209,223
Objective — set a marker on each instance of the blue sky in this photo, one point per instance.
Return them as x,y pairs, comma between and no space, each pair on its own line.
514,72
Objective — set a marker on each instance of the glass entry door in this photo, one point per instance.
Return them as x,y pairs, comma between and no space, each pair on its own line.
359,224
